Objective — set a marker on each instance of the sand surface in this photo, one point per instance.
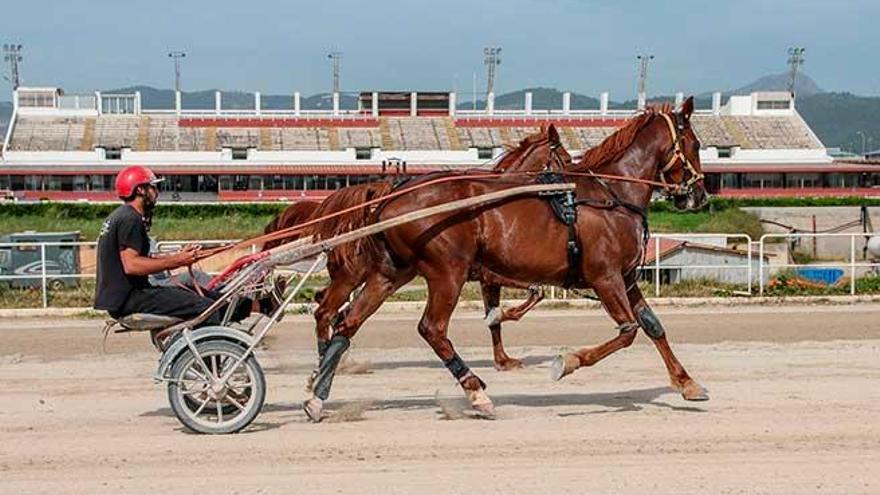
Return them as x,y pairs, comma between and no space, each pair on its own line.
795,408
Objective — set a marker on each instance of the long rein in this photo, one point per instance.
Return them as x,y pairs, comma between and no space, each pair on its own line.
301,227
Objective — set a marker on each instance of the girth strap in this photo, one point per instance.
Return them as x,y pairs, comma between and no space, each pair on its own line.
565,208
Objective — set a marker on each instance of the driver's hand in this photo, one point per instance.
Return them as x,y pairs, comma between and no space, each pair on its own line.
189,254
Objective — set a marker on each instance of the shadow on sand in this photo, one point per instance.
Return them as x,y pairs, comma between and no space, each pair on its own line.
614,402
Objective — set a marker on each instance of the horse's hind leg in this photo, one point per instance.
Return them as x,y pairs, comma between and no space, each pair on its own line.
444,288
536,295
491,298
496,314
612,292
678,376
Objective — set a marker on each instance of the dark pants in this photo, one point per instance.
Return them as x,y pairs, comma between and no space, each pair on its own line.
180,303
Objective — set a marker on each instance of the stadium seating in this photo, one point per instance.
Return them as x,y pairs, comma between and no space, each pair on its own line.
711,131
359,138
116,131
480,137
48,134
592,136
167,133
775,132
237,137
419,133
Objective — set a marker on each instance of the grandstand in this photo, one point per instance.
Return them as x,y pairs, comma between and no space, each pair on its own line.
62,146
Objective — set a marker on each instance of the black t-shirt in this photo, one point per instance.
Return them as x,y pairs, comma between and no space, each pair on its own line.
124,228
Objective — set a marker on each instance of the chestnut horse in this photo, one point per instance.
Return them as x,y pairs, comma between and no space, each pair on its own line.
347,272
610,230
295,214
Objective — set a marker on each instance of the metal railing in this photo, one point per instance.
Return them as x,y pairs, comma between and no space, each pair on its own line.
851,264
41,269
658,265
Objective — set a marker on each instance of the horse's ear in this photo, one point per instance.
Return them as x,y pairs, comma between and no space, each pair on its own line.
687,108
543,128
553,134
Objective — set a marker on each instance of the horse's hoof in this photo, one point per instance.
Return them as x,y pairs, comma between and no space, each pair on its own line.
480,402
693,391
313,408
508,364
564,365
493,317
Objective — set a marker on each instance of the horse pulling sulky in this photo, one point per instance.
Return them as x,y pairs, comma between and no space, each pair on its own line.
450,228
214,382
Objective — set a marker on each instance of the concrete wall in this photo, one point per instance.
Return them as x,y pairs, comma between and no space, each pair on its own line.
826,218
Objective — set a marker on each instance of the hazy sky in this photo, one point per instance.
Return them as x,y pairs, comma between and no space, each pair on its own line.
583,46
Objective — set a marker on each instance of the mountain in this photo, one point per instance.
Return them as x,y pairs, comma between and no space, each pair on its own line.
837,118
804,85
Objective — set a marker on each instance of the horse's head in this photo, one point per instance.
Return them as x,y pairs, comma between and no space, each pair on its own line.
681,169
536,152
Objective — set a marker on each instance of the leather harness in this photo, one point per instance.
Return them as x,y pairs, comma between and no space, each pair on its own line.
564,204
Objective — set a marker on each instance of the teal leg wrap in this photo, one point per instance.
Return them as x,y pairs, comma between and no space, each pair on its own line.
322,349
324,380
650,323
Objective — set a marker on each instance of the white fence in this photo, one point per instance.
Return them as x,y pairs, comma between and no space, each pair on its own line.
48,275
851,264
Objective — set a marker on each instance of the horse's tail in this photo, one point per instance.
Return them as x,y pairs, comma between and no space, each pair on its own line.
294,214
355,253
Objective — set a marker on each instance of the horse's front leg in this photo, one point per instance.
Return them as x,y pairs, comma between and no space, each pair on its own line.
377,288
678,376
333,297
612,292
444,289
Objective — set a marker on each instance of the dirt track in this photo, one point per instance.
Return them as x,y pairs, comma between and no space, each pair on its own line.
794,409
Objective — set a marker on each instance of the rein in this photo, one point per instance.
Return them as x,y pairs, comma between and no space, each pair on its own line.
677,154
300,228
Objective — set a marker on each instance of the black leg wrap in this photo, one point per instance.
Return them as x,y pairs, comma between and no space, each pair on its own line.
322,349
650,323
324,380
460,371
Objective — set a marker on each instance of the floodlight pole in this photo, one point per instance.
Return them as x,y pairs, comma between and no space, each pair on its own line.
335,68
12,54
492,59
795,60
177,55
643,71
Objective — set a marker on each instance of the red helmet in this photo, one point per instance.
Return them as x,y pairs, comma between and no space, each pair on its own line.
131,177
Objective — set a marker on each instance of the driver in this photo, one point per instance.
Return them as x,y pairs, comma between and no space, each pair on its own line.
125,263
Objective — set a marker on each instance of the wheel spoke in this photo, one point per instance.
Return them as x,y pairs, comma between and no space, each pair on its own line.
193,392
219,412
214,366
199,375
200,409
235,403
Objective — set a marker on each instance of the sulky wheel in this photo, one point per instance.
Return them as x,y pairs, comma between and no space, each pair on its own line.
206,407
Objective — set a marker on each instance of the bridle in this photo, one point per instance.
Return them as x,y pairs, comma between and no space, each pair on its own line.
554,154
677,155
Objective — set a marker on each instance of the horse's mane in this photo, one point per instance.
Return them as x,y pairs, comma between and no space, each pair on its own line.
615,144
511,153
